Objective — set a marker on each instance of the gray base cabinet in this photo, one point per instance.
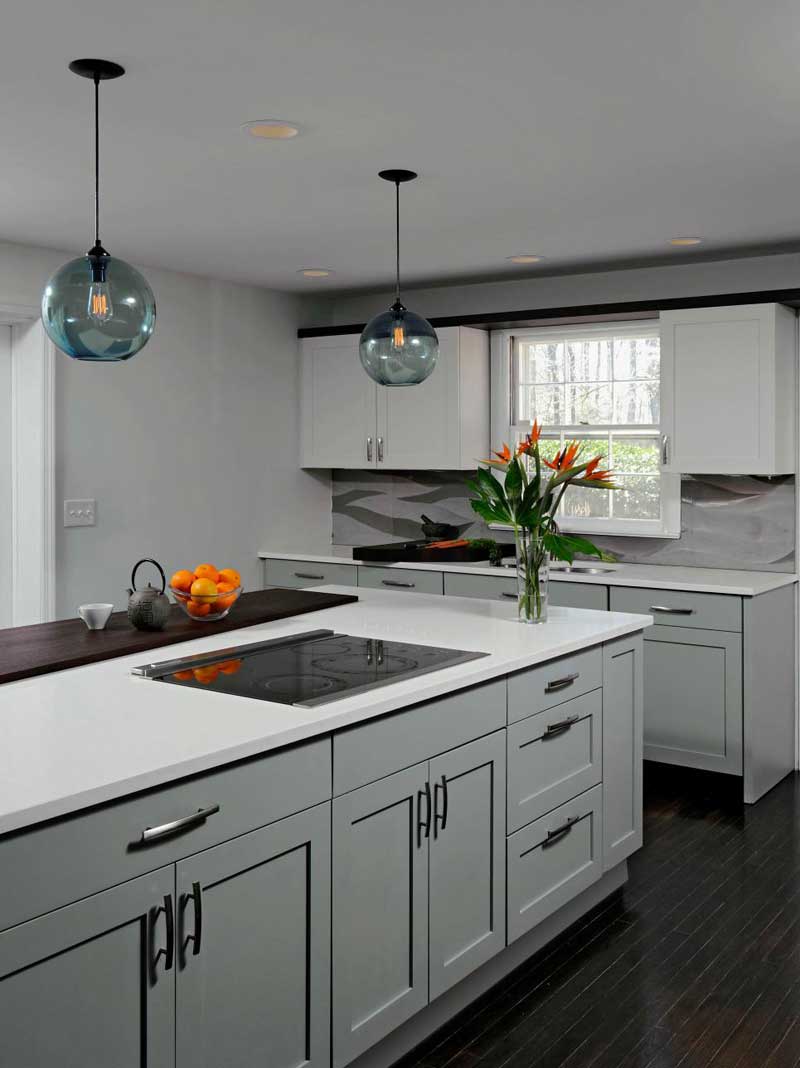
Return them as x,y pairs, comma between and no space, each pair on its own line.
253,984
93,984
623,695
418,889
380,909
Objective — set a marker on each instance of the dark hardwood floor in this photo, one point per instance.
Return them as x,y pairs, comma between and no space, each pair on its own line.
696,962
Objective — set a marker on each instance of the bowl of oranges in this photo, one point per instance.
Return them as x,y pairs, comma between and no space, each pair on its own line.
206,594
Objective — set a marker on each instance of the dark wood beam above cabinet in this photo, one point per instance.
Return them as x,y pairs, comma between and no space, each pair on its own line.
625,309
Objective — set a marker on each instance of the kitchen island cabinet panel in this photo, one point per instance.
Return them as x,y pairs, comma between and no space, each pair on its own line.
578,595
623,696
254,948
92,984
467,860
380,910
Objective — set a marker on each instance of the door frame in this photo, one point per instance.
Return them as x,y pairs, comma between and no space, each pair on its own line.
33,533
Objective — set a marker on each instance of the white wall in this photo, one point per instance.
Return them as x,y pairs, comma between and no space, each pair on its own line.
545,291
191,447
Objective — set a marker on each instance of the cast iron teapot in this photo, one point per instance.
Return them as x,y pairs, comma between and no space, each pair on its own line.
148,609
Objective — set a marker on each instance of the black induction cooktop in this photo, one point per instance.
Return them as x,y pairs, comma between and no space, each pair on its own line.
305,669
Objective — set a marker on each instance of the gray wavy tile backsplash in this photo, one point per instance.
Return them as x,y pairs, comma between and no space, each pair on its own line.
734,521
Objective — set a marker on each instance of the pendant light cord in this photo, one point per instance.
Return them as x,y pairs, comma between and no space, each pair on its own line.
96,159
397,240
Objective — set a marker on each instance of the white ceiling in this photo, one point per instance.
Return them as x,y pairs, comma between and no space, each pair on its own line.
589,131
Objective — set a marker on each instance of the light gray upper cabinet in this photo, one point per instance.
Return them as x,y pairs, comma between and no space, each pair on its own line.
338,406
467,860
380,909
93,984
623,695
728,389
253,942
347,421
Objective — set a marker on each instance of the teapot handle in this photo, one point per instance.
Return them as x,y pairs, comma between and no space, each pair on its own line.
149,560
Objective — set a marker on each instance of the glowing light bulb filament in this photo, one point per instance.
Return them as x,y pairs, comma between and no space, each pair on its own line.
100,308
398,336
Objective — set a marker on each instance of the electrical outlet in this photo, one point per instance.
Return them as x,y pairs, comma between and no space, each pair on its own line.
80,513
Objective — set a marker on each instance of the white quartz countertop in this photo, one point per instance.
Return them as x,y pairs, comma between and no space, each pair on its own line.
93,734
648,576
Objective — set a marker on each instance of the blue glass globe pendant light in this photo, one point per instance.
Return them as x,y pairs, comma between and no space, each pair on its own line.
397,347
98,307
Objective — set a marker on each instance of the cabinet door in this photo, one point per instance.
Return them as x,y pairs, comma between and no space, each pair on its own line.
419,427
693,698
380,910
579,595
622,749
92,984
254,948
338,407
727,387
467,862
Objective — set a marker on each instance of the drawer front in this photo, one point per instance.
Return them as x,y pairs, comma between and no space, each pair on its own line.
553,683
503,588
402,580
58,863
297,574
678,608
579,595
553,757
553,860
369,752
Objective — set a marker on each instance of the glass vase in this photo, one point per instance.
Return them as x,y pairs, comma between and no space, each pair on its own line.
532,578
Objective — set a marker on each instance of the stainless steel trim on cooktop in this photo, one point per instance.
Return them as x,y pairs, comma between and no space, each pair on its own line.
169,667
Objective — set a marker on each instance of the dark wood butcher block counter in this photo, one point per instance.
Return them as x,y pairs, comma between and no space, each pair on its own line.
67,643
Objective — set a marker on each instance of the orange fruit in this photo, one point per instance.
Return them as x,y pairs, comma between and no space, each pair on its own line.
195,608
231,575
230,667
207,571
204,590
206,674
184,676
224,602
182,580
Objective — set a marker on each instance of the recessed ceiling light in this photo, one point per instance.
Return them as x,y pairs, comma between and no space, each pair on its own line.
315,272
526,257
271,129
681,241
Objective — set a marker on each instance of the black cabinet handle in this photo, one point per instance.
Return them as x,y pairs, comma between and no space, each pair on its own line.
555,729
196,897
437,818
185,823
561,684
424,826
168,951
665,608
399,585
306,575
559,832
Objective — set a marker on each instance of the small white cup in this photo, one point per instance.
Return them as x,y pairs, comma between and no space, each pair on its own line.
95,616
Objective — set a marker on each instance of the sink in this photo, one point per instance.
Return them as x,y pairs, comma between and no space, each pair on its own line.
578,569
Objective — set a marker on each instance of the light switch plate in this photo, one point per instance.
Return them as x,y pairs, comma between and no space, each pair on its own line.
80,513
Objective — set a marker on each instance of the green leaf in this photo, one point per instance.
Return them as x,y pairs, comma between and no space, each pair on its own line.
492,513
514,481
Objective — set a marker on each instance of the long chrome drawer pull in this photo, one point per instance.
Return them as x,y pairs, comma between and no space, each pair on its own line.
561,684
672,611
306,574
559,832
400,585
153,834
559,728
513,596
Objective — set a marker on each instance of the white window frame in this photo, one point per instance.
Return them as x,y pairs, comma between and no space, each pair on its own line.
504,430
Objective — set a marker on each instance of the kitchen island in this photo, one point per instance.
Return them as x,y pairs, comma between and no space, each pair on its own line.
343,877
